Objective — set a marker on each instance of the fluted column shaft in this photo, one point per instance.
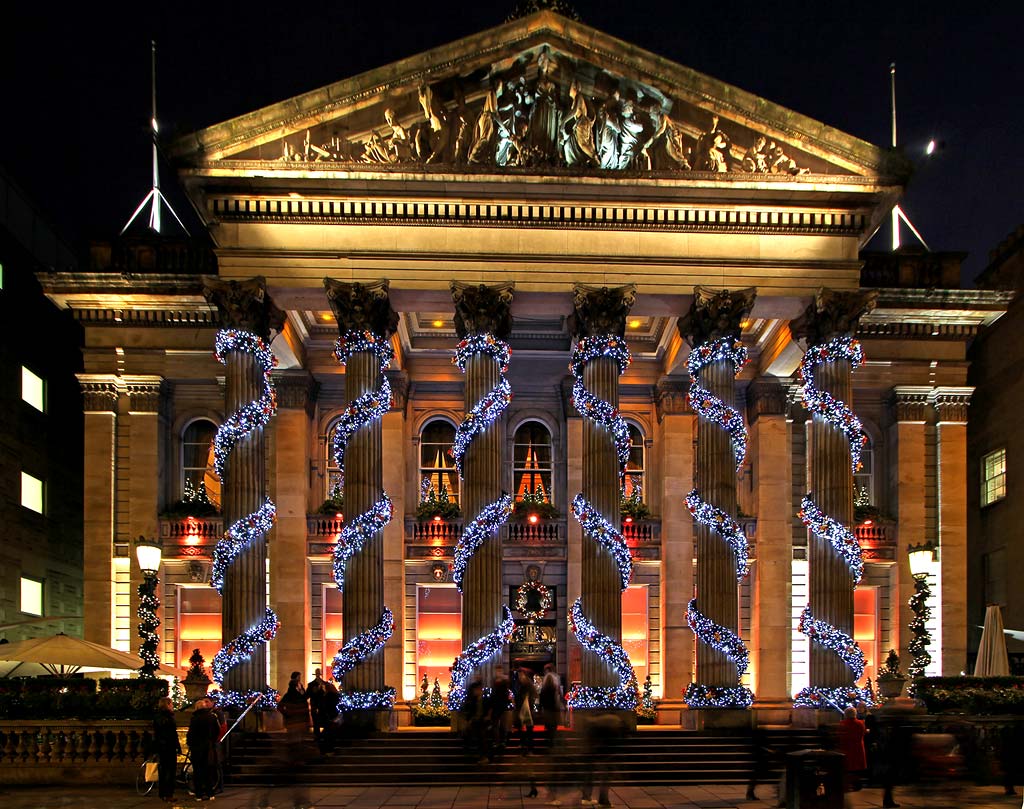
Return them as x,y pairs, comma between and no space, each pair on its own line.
244,490
601,584
482,595
717,595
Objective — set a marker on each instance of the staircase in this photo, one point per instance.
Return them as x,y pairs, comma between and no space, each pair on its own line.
426,756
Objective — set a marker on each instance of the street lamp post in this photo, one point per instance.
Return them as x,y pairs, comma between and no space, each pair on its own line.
148,553
921,558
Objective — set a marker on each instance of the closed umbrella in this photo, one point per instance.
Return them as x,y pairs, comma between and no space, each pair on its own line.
992,658
64,654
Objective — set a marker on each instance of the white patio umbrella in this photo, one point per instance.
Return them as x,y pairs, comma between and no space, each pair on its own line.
64,654
992,660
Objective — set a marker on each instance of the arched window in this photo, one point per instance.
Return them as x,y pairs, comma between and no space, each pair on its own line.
635,464
864,478
198,480
436,462
532,462
333,478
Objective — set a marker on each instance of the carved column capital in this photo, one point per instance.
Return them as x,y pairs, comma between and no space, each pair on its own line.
600,310
833,313
99,392
244,305
399,390
766,397
715,314
951,403
296,389
144,393
483,309
910,403
362,307
670,398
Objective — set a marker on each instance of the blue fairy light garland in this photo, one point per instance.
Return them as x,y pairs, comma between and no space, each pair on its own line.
724,640
833,639
252,527
620,697
590,406
699,696
835,533
839,698
708,406
481,415
475,655
606,534
725,526
149,622
368,407
836,413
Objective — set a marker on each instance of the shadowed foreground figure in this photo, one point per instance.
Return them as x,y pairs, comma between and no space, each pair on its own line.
600,733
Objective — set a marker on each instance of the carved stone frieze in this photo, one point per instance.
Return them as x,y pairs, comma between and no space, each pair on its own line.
951,403
362,307
399,390
144,393
600,310
670,398
244,305
296,389
99,393
766,397
483,309
833,313
910,403
715,314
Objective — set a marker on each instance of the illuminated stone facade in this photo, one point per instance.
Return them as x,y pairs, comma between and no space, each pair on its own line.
546,157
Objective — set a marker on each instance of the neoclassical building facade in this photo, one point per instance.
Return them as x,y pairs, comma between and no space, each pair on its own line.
546,187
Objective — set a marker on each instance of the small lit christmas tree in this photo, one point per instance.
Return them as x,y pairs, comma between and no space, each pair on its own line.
178,695
646,713
424,689
436,701
432,708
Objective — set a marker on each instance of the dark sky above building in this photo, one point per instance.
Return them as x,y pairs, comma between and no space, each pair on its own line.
75,85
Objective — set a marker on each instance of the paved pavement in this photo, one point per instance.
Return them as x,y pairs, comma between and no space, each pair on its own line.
484,797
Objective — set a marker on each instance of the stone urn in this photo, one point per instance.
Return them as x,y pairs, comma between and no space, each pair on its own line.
891,681
197,681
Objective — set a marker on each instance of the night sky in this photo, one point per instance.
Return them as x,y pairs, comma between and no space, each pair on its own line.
75,86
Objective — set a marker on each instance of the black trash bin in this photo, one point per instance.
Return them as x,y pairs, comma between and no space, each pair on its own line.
814,778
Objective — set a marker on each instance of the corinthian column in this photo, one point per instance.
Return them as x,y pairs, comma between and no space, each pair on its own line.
712,326
483,321
834,559
247,317
366,322
599,358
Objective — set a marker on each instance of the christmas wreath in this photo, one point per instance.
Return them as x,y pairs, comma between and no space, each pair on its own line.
523,599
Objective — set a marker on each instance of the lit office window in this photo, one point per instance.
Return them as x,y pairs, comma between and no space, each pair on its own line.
332,628
31,596
31,492
635,626
32,389
993,477
438,631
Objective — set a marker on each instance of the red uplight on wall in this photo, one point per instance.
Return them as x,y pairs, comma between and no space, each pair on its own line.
339,516
867,522
437,518
628,520
533,519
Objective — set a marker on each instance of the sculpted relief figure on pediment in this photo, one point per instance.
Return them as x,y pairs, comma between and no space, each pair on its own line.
543,109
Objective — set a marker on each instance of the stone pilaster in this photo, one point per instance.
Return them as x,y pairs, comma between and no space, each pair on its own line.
951,405
600,312
482,310
363,308
244,305
99,399
716,315
910,410
771,457
289,442
675,439
831,314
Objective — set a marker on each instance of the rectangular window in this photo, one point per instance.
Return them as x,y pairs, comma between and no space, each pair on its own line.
993,477
332,637
799,665
31,492
635,628
438,631
865,627
31,596
32,389
199,624
121,606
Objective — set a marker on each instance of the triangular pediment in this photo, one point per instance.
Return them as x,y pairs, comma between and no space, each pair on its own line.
541,93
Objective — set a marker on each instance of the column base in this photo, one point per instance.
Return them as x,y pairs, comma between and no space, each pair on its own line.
773,712
366,722
717,719
669,712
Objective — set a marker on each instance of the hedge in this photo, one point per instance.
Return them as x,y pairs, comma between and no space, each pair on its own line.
77,698
973,695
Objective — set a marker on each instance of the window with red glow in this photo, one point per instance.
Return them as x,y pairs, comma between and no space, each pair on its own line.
438,632
865,627
531,461
198,624
635,628
197,460
331,628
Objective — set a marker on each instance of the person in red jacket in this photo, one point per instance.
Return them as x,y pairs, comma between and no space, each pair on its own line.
851,745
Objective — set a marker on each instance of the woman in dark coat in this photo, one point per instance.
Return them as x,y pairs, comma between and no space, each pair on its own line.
166,747
203,737
851,745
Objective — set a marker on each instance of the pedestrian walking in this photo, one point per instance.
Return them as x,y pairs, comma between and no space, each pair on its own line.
497,713
295,709
203,739
851,734
551,704
522,717
166,747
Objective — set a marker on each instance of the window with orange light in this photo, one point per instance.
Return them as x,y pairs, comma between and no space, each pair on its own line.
199,624
333,476
864,478
436,462
635,628
635,464
438,631
865,627
197,460
331,627
532,462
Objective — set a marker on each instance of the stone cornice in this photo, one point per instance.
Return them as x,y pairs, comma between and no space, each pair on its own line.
296,389
100,392
766,397
910,403
951,403
670,398
399,390
144,393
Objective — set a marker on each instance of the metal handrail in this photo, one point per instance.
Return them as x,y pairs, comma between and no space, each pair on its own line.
252,704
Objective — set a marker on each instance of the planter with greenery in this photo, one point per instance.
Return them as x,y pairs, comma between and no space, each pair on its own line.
971,695
633,508
891,680
437,504
431,710
197,681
